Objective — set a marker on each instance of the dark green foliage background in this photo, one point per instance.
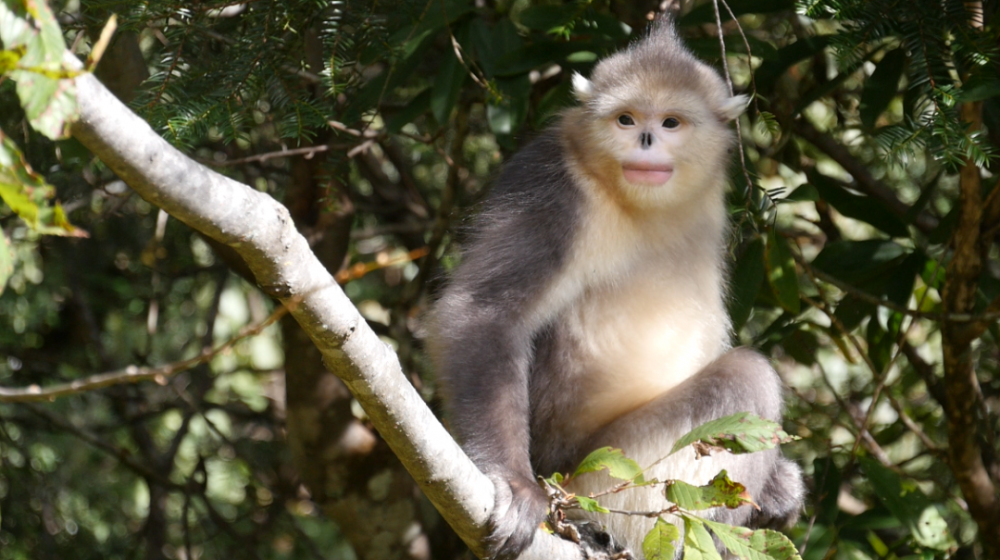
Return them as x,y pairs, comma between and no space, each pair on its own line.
823,268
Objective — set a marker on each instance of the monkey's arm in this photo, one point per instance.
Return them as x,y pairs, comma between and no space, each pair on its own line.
485,325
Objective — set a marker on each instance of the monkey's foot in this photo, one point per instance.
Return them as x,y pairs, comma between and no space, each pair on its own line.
521,506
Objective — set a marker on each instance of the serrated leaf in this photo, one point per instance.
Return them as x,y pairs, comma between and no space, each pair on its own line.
768,123
781,273
762,544
742,432
619,466
721,491
49,101
590,504
28,195
698,544
659,542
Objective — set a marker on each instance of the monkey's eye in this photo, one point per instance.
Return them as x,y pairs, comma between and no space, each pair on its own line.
671,122
626,120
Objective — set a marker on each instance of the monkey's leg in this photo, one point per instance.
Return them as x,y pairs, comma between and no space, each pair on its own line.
740,380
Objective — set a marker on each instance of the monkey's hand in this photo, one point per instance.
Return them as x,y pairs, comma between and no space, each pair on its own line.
521,506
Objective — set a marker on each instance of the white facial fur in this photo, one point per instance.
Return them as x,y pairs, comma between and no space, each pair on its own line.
623,113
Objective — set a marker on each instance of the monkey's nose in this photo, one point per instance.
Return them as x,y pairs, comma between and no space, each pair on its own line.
645,140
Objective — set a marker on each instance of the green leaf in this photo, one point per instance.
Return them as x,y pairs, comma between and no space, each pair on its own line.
767,75
507,116
721,491
882,86
590,504
908,504
801,345
416,107
447,86
545,18
745,283
828,479
28,195
899,287
48,98
705,13
6,261
659,542
762,544
541,53
880,344
698,544
742,432
619,466
781,273
858,207
804,192
858,262
441,13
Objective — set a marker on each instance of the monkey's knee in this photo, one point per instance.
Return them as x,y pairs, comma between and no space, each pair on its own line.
742,380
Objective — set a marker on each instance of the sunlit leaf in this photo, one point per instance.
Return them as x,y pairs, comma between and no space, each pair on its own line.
742,432
659,542
48,97
781,273
762,544
721,491
618,465
590,504
698,543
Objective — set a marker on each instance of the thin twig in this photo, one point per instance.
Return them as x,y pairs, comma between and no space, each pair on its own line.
132,374
729,82
875,300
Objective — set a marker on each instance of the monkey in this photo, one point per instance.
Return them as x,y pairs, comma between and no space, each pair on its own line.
588,308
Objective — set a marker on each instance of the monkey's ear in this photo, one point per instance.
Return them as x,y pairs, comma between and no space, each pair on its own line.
733,107
582,87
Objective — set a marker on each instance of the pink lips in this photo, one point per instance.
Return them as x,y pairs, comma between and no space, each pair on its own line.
647,173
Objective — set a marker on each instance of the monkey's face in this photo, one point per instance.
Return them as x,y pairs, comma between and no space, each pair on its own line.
665,150
650,142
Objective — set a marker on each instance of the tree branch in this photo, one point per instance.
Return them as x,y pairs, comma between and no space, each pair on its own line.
961,384
864,181
261,231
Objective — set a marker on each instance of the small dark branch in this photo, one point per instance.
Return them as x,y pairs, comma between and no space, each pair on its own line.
926,372
729,82
405,170
308,151
131,374
125,457
913,426
864,180
444,213
968,319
